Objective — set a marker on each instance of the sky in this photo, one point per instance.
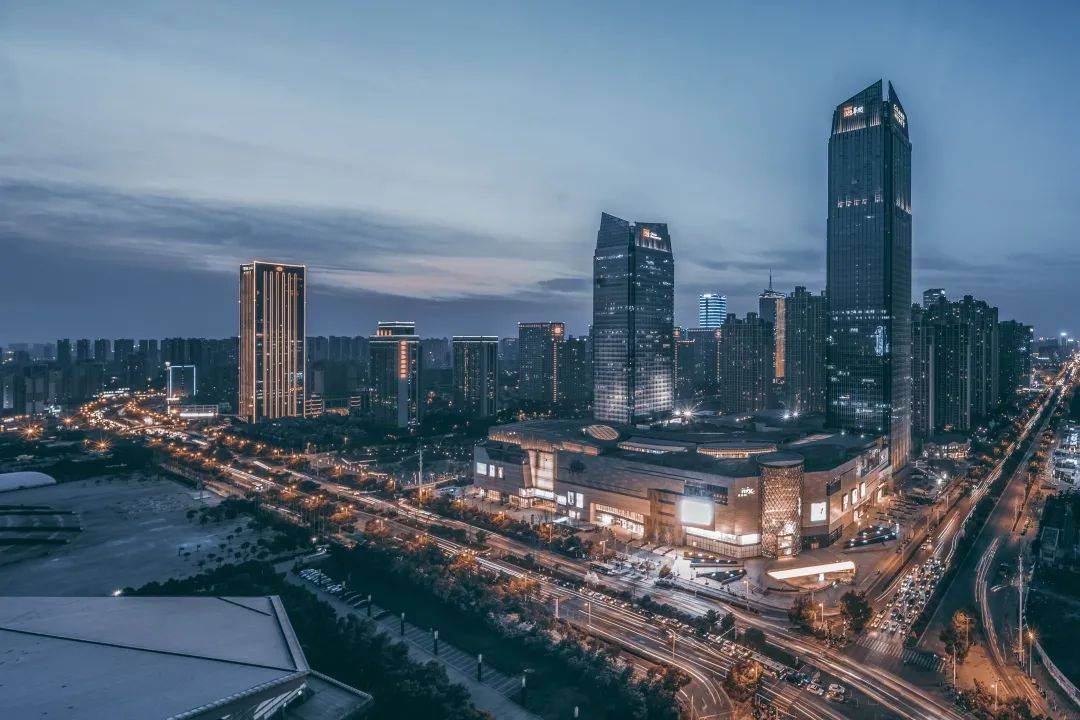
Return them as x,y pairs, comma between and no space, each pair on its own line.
448,162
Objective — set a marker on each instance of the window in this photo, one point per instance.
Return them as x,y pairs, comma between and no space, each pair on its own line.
491,471
843,503
819,511
481,468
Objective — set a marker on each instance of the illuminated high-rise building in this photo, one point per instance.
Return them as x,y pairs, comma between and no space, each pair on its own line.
633,321
181,383
273,350
869,270
395,365
771,309
712,310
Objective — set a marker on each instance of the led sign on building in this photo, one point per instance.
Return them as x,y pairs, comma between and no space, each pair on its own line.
852,110
899,116
695,511
818,511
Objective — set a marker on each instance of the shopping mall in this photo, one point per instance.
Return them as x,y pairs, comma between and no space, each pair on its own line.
758,486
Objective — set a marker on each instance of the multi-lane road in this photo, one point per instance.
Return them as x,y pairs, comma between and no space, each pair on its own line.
877,690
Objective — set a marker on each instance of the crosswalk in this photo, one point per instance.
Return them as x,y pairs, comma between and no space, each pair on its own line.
892,647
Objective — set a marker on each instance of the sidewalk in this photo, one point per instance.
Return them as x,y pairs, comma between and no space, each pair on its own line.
492,694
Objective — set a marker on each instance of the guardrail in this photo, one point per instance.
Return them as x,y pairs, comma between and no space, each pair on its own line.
1059,677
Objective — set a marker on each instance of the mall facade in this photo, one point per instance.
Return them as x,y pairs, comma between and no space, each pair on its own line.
740,490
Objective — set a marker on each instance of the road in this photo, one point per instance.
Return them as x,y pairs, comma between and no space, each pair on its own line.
702,662
997,542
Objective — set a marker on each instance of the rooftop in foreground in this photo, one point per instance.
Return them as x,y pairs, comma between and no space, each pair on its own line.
155,657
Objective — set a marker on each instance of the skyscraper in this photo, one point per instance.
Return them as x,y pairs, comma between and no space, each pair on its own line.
395,361
1014,343
63,352
683,365
633,321
745,360
771,310
102,350
539,346
712,309
955,351
82,350
123,350
575,374
869,270
805,324
273,350
476,374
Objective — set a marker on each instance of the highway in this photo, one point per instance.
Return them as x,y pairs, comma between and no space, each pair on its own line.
700,659
997,542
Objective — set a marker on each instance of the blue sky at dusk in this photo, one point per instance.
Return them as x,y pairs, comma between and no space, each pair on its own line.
448,163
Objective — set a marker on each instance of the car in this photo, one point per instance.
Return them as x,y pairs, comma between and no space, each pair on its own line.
837,688
815,688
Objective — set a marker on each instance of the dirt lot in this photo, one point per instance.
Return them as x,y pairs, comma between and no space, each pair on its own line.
134,530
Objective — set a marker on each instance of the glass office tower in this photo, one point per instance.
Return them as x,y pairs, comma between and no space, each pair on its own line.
712,310
633,321
869,270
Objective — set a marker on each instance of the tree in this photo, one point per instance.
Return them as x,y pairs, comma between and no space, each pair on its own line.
754,638
801,612
742,679
727,622
957,635
855,609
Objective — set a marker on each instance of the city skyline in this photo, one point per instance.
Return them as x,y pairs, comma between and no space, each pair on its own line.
176,222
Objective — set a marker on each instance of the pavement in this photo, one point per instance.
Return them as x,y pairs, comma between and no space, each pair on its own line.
492,694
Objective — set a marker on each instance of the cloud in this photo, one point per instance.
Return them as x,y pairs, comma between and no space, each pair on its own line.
345,250
566,285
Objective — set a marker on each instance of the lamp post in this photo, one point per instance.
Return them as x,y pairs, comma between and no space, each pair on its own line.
1031,645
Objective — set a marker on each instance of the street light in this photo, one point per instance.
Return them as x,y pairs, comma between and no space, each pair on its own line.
1031,643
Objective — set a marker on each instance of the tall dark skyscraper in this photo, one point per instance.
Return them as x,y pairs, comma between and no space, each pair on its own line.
63,352
633,321
82,350
539,351
575,374
869,270
805,326
746,361
1014,369
476,374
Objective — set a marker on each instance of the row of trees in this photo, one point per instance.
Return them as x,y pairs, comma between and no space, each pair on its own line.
348,649
473,600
